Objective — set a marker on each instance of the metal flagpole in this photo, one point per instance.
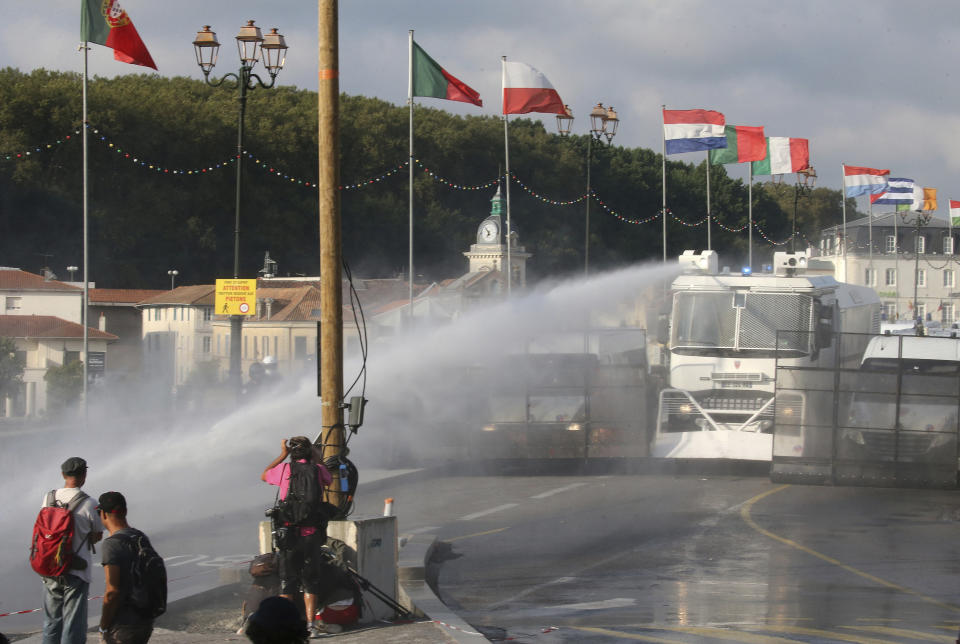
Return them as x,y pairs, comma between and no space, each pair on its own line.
663,174
843,201
870,233
506,149
750,220
410,168
896,265
86,254
707,153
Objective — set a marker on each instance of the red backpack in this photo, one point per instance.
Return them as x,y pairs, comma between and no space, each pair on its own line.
51,549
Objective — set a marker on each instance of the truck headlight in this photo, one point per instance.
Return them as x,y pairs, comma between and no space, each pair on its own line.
573,427
489,428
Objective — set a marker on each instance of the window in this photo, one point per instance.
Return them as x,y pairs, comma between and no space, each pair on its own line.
889,311
948,279
870,277
69,357
947,314
14,303
218,345
275,342
174,314
245,354
921,245
890,277
922,311
299,348
265,343
891,244
207,313
948,245
921,276
206,344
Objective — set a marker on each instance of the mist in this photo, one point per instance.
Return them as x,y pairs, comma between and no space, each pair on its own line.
178,470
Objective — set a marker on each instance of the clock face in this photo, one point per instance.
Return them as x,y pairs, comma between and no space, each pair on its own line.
488,232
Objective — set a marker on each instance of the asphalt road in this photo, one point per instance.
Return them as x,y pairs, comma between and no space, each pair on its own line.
680,558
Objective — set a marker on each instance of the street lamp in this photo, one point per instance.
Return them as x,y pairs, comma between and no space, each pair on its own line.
806,180
72,270
923,217
603,123
272,50
173,276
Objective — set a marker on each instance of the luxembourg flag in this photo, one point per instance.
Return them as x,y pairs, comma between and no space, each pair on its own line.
954,212
693,130
526,89
864,181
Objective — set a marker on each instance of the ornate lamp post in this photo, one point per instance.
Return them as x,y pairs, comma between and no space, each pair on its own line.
251,46
922,218
806,180
173,276
603,123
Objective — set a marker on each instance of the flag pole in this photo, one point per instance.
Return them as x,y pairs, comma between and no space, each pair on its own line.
707,157
750,220
410,168
86,253
843,201
870,233
663,175
506,149
896,264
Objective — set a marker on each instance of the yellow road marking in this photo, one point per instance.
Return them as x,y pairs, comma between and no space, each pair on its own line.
902,632
478,534
745,515
816,632
715,633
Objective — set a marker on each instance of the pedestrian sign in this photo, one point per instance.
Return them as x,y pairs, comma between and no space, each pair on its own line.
236,297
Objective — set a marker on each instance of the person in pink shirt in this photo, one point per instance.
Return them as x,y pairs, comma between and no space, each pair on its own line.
299,541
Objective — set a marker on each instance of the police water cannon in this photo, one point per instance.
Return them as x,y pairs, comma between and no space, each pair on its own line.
705,261
788,264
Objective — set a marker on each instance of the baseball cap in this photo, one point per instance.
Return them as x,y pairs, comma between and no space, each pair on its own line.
73,466
111,502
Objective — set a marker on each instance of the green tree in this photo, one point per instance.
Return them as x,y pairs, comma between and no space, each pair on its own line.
11,367
64,385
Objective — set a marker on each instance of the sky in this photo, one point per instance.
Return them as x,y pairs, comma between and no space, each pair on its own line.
868,82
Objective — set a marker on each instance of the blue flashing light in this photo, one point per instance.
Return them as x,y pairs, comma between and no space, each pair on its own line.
746,271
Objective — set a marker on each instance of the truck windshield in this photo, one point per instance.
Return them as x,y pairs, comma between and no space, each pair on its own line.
707,323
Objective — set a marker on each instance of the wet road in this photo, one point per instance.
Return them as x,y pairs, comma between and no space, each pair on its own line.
659,558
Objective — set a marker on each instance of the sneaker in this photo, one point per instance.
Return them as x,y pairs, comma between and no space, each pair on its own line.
316,632
319,629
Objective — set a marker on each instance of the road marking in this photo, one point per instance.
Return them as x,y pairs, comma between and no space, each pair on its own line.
428,528
558,490
713,633
745,515
616,602
477,534
817,632
903,632
483,513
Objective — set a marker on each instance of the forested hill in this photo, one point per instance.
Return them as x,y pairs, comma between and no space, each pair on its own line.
162,186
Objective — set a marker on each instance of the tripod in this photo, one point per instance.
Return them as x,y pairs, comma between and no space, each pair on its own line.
367,586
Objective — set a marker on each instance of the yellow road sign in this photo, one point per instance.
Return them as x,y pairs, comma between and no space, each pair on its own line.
236,297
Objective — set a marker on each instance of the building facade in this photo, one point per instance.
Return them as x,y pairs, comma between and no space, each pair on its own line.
909,260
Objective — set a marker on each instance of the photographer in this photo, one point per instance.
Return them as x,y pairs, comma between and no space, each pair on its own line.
299,522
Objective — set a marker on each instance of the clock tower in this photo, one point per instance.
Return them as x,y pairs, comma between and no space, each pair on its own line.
490,250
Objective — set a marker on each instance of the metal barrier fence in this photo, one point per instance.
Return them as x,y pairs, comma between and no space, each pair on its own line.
885,413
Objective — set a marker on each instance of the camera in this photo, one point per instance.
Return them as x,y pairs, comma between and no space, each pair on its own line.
271,512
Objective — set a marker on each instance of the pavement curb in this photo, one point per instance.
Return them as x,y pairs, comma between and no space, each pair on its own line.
417,595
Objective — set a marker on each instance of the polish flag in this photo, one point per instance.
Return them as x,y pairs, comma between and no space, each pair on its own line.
526,90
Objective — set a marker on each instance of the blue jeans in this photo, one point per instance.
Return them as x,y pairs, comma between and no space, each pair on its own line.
65,610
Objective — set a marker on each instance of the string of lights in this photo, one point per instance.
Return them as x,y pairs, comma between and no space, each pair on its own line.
371,181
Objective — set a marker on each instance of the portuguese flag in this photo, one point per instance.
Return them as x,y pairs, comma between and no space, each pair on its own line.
104,22
430,79
744,143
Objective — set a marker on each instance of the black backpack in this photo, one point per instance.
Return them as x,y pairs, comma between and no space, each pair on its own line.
303,503
148,575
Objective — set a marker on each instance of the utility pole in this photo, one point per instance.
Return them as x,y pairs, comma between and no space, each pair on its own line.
330,359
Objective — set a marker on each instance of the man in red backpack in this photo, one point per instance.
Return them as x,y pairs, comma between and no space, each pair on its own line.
65,596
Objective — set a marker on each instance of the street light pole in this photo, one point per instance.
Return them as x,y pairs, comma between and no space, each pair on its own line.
173,276
603,122
273,50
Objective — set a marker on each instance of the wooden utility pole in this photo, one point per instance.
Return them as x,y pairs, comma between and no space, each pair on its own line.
331,312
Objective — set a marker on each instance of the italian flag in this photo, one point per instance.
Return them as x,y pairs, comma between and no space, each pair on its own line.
954,212
104,22
430,79
784,155
744,143
526,89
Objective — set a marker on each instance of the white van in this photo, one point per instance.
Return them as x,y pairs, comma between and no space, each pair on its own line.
919,425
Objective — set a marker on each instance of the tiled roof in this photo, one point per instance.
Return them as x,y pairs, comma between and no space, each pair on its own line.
199,295
14,279
46,326
121,295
